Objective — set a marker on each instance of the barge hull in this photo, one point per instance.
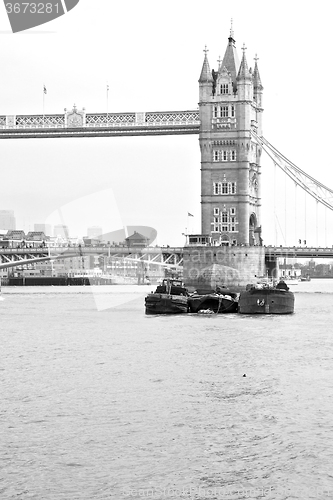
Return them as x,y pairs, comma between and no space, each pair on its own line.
266,302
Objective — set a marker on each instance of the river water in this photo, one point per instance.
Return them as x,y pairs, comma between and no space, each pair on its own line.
99,401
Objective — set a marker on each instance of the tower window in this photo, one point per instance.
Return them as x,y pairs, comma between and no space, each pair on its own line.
224,111
232,110
232,187
215,111
224,155
224,187
233,155
215,155
224,217
224,88
232,211
224,229
216,211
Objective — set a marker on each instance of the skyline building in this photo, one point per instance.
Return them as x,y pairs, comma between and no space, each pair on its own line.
94,231
61,230
7,220
45,228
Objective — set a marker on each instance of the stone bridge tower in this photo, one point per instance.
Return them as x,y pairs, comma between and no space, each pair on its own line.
230,104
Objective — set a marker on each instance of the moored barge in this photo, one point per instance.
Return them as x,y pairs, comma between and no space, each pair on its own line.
171,297
266,299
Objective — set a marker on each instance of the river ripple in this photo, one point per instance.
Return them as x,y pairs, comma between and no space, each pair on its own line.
103,401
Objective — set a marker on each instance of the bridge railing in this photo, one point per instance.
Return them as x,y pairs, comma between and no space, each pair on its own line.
80,119
92,250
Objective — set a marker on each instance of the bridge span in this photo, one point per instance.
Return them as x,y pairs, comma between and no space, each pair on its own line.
163,256
78,123
272,252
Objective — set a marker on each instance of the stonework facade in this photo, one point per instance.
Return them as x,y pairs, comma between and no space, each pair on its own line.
230,104
233,267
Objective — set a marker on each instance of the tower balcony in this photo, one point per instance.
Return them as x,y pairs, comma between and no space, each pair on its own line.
224,123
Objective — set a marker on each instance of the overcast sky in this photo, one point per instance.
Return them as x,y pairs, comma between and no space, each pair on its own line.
151,54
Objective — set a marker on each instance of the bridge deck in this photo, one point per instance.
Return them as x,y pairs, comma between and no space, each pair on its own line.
78,123
271,252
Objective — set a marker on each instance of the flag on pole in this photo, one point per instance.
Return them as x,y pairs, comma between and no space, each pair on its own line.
189,215
45,91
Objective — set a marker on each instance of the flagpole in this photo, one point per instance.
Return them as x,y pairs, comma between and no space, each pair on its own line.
107,103
44,92
189,215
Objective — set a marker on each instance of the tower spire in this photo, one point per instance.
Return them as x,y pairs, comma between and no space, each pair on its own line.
206,75
230,59
256,76
244,72
231,29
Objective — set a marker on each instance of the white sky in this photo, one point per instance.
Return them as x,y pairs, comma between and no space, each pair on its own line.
151,54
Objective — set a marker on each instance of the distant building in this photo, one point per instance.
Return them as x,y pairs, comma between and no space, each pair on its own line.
7,219
36,236
61,230
45,228
15,235
137,240
94,231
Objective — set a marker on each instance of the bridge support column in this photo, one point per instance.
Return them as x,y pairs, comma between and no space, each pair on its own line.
233,267
272,266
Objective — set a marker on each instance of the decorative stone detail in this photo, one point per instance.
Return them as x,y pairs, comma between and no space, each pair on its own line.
10,121
140,118
40,121
75,118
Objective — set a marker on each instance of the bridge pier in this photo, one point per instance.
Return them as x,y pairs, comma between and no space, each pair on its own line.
233,267
272,266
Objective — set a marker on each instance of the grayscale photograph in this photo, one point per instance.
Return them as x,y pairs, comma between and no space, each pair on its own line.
166,250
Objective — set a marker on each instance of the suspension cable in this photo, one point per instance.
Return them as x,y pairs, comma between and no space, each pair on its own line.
314,188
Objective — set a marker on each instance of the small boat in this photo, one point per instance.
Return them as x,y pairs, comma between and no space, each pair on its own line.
266,298
219,301
169,298
291,281
305,278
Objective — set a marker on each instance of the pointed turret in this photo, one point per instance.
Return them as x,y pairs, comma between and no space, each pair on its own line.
256,76
244,72
258,93
206,75
205,80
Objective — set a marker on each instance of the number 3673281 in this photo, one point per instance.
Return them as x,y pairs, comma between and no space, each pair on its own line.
32,8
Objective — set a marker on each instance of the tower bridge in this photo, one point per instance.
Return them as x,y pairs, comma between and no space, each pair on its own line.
229,125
